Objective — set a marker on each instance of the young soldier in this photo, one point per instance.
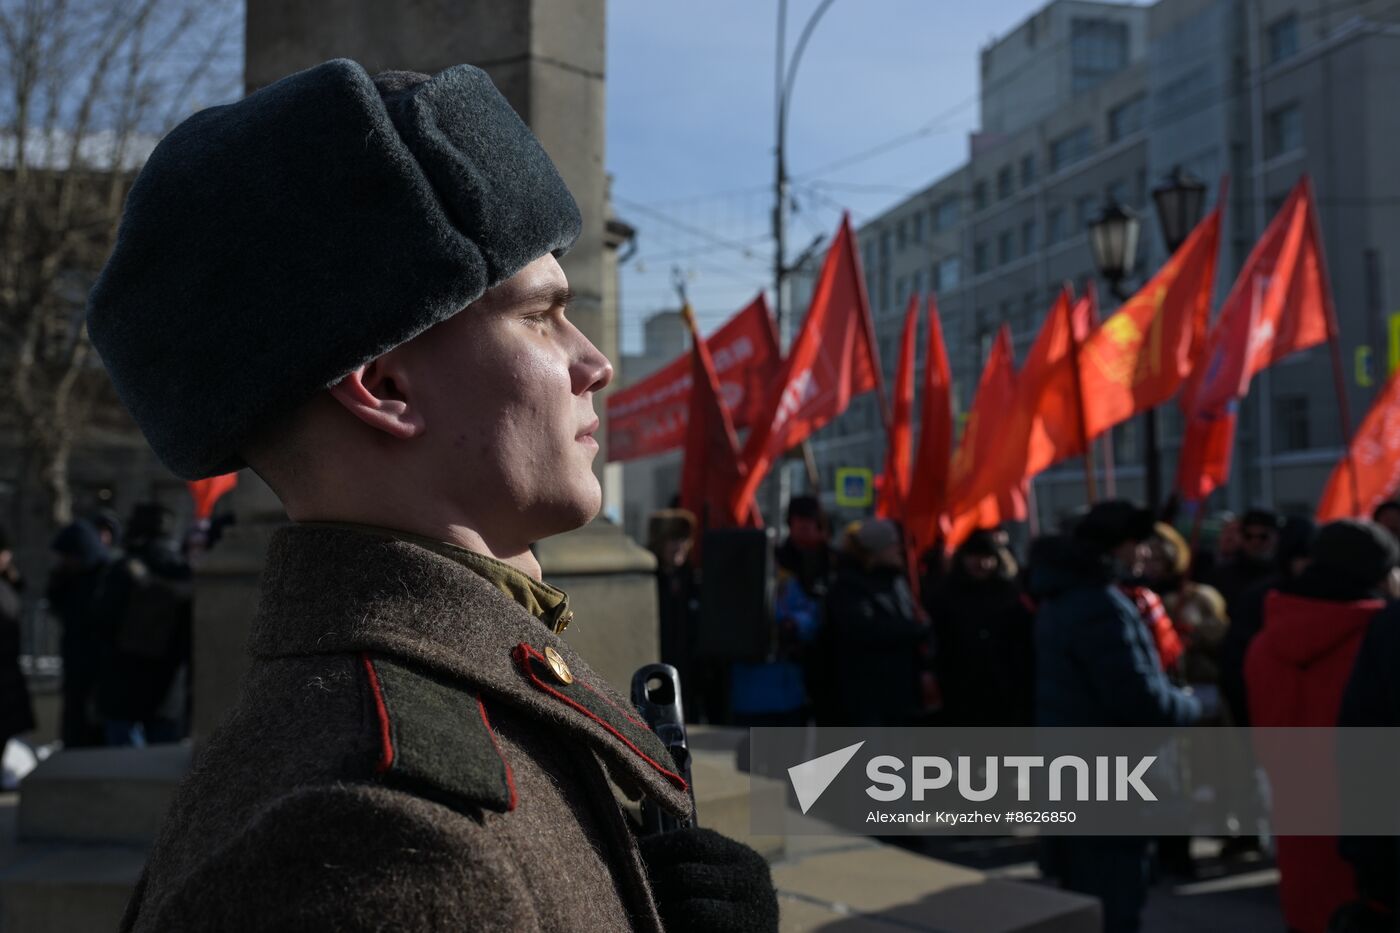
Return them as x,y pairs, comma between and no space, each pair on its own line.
350,284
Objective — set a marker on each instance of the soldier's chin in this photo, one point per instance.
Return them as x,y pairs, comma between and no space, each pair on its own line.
575,505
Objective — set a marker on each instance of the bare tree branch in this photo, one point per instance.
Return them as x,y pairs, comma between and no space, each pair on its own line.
81,82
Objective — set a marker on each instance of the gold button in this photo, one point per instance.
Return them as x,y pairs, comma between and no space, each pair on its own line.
563,622
557,665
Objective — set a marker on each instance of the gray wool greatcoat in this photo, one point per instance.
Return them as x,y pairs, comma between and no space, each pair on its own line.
404,756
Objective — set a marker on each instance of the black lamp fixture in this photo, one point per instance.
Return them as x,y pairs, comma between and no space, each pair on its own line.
1181,201
1113,237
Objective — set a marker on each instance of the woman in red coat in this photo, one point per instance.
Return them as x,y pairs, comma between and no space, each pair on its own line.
1295,672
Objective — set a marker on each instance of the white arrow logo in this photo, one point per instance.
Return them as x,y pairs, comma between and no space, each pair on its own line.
811,778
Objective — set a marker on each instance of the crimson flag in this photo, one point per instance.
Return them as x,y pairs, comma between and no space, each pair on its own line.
1279,304
974,473
1369,472
894,492
1007,506
1136,358
207,492
711,470
648,417
1052,398
832,360
1206,447
928,487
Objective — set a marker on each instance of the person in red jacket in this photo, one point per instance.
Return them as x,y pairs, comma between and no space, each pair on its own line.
1295,674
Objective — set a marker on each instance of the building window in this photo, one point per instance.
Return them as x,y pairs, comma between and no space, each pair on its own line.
1054,225
1070,148
899,291
949,273
917,283
1028,304
1283,38
870,255
919,227
1006,247
1027,170
1005,183
979,195
884,244
1028,244
947,216
1291,417
1127,118
1085,209
901,235
979,257
1283,130
1098,49
1117,190
1004,313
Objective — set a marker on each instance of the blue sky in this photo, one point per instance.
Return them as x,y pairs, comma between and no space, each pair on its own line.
690,129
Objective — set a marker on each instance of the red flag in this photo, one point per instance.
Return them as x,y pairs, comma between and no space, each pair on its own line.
1279,304
832,360
928,492
1138,356
1369,472
648,417
1050,387
973,475
1206,447
1007,506
894,492
711,470
207,493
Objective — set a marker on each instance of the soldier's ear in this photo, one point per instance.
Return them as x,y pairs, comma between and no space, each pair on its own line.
378,394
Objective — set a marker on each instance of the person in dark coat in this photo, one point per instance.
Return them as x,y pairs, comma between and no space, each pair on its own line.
1247,613
1296,671
351,284
984,637
1371,698
671,539
1254,560
143,606
81,560
874,632
16,710
1096,665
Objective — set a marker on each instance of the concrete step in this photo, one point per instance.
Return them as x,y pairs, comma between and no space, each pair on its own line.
101,796
724,798
859,884
72,889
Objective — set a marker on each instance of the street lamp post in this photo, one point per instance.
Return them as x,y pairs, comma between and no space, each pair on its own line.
783,77
1113,239
1181,202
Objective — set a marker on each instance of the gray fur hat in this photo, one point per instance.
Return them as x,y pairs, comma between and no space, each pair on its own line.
270,246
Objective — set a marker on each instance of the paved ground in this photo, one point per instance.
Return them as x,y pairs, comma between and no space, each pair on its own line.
1235,896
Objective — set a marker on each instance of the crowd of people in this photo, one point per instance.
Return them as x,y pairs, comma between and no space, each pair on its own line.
121,595
1117,621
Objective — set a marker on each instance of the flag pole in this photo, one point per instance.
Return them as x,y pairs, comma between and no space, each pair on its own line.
1091,492
1334,342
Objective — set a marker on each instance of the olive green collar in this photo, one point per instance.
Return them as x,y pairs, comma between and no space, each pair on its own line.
544,602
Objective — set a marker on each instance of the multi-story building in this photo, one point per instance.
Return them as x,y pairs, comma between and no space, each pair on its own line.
1086,103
